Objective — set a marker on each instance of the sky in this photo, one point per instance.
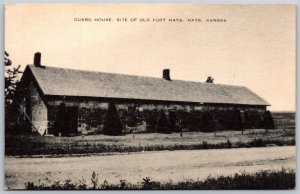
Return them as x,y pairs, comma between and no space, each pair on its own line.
255,47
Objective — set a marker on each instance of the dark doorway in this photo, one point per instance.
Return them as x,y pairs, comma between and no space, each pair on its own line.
71,119
174,121
66,121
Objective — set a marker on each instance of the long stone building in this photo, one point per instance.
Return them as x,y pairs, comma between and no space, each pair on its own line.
79,99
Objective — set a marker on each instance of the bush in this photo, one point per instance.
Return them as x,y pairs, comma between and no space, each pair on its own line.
268,122
258,143
237,120
195,121
152,118
227,120
283,179
253,120
208,122
229,144
163,125
112,124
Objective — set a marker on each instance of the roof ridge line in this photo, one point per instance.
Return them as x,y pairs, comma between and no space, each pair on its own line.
143,76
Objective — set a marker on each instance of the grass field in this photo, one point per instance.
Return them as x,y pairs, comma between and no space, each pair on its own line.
284,120
37,145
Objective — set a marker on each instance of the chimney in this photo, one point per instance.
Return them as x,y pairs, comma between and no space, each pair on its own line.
37,60
166,74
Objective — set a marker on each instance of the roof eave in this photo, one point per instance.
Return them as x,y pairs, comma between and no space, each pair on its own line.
150,100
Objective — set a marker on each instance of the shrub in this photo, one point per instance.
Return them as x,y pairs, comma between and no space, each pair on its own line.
228,120
258,143
253,120
237,120
151,117
229,144
94,180
268,122
175,124
148,184
208,122
205,145
284,179
195,122
163,125
112,124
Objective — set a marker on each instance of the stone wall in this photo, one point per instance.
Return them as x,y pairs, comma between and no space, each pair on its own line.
135,116
39,113
91,114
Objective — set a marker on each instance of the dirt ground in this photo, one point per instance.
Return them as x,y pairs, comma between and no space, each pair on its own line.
159,166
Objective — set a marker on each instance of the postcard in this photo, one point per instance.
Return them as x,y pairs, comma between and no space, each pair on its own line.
150,96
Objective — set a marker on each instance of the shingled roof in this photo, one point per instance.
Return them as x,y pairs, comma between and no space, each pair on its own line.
70,82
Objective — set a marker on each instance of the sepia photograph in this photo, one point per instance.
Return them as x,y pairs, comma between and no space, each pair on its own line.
160,96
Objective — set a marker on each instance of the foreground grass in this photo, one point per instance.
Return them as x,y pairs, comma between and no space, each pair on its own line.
19,145
284,179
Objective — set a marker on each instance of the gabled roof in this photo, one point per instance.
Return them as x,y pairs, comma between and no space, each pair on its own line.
70,82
